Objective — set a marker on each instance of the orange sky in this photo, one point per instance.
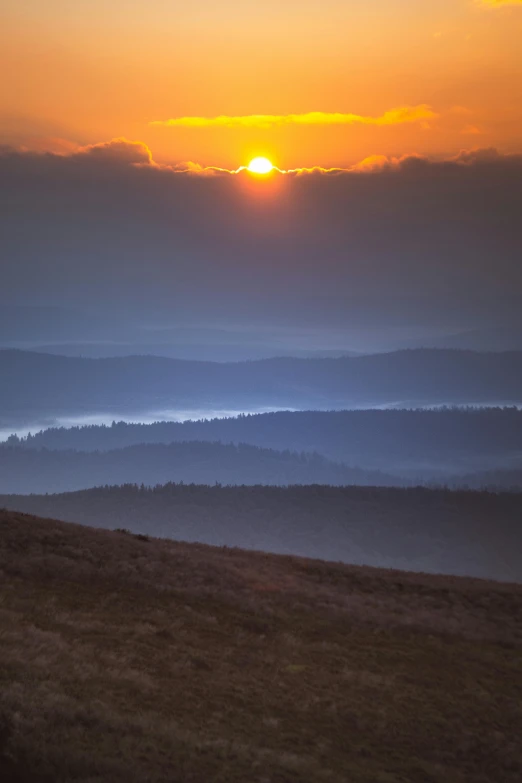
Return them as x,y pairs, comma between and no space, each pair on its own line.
82,72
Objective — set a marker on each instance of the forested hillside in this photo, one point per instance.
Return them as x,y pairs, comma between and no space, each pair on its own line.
43,470
422,443
463,533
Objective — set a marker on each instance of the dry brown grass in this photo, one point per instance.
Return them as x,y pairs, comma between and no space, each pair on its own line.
126,659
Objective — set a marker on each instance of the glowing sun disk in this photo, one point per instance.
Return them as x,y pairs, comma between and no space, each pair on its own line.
260,166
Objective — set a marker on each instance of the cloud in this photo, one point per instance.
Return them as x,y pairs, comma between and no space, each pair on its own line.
50,144
471,130
398,116
482,155
411,238
190,167
125,153
376,163
119,150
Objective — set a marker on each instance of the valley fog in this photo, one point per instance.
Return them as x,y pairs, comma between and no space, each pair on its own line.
106,418
22,428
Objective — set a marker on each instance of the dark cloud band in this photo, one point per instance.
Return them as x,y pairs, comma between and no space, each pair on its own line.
413,237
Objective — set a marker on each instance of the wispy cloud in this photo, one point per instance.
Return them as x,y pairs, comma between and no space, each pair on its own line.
398,116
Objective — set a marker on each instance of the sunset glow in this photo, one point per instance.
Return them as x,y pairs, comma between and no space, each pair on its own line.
260,166
261,295
338,83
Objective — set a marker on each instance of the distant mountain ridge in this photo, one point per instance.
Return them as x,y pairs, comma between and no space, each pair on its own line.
233,352
32,471
38,383
502,338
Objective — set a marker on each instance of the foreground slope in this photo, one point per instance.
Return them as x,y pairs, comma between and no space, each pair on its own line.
127,659
453,532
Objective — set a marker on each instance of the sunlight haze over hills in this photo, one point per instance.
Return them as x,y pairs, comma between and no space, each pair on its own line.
261,388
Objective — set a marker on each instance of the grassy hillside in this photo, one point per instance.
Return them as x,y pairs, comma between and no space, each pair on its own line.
463,533
125,660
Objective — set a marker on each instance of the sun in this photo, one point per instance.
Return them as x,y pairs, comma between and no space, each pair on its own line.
260,166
